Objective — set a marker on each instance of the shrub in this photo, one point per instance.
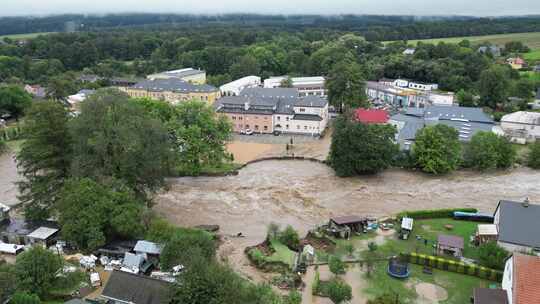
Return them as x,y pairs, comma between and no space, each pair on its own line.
24,298
256,256
487,151
290,238
492,255
336,265
339,291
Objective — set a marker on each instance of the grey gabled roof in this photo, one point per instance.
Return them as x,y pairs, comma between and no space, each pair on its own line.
131,288
519,224
173,85
133,260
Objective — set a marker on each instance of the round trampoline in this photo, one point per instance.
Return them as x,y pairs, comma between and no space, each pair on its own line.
398,269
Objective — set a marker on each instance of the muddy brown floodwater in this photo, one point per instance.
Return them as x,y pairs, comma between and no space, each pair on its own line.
8,177
303,193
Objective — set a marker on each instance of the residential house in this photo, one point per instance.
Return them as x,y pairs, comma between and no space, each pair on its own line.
173,90
128,288
521,279
371,116
306,85
409,51
521,127
234,88
450,245
36,91
43,236
188,75
343,226
269,110
494,50
466,120
516,63
517,224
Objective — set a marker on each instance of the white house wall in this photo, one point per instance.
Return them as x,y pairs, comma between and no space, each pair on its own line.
507,281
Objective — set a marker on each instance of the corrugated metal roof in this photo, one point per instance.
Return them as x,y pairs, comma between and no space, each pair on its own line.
147,247
42,233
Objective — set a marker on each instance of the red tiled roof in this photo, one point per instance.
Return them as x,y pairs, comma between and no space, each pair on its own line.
369,116
526,285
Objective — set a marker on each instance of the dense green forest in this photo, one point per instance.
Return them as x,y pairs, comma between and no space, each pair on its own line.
372,27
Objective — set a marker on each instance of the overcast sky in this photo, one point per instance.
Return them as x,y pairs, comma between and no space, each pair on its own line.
388,7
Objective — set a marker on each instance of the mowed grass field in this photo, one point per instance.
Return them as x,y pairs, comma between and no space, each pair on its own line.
530,39
532,55
25,36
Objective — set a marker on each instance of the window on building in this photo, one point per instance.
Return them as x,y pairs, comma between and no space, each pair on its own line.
234,118
256,127
287,126
266,128
247,126
287,119
305,127
298,127
279,118
302,110
239,117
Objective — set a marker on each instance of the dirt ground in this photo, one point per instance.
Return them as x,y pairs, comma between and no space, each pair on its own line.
430,293
249,148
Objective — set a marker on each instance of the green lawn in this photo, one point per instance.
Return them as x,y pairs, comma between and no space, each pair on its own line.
459,287
530,39
25,36
282,253
430,229
532,56
530,75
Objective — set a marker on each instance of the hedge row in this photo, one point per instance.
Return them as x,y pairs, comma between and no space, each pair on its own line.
436,213
453,266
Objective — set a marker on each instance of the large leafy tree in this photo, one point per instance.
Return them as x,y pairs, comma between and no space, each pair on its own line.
14,100
493,86
437,149
361,149
36,270
115,137
199,135
346,87
92,213
8,280
489,151
44,158
492,255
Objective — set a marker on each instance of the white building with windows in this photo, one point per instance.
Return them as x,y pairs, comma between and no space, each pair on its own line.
234,88
306,86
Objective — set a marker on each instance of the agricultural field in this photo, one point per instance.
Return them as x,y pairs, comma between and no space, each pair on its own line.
25,36
530,39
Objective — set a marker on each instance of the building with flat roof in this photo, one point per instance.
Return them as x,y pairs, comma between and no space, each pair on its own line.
467,121
173,90
235,87
188,74
306,85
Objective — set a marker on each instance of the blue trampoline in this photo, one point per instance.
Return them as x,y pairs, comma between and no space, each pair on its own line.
398,269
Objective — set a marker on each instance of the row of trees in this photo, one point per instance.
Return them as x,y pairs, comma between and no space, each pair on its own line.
366,149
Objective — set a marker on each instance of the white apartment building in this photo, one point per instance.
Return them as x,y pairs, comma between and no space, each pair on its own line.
234,88
306,86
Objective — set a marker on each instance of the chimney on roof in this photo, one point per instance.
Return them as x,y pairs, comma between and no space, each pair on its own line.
526,202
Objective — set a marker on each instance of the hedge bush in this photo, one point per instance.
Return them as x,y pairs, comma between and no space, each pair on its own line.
453,266
432,214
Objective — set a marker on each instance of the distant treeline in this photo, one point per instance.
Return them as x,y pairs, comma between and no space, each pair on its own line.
372,27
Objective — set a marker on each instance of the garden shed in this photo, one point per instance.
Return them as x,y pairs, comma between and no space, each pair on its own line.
450,245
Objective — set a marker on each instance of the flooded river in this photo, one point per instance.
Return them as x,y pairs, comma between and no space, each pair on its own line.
303,193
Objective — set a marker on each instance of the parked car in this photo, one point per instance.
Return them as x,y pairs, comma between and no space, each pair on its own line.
247,132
